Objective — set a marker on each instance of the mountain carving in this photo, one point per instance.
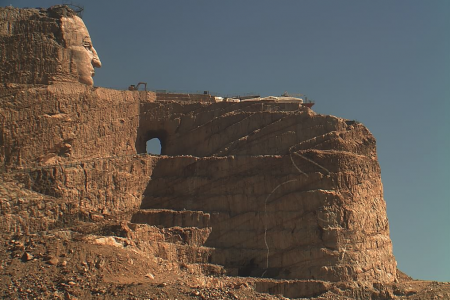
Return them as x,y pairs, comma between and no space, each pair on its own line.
246,197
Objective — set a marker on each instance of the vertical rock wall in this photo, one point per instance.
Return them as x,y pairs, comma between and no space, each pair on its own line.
44,46
65,122
28,46
291,194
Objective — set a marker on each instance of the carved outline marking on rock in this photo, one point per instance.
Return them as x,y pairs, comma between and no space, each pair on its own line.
278,186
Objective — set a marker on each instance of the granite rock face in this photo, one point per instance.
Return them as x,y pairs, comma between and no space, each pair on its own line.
247,129
291,194
65,122
43,46
272,189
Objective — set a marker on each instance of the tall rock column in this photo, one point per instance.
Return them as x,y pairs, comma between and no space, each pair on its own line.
291,194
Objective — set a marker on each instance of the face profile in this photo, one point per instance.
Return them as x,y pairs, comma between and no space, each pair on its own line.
60,49
78,42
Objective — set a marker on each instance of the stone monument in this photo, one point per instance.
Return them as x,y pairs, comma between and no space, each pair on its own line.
44,46
289,200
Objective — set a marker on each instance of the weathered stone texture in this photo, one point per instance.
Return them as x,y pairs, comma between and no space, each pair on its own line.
291,194
288,193
305,202
64,122
107,186
29,46
169,218
317,227
175,244
23,211
43,46
248,128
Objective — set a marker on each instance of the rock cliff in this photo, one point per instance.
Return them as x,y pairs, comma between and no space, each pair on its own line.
289,200
43,46
65,122
291,194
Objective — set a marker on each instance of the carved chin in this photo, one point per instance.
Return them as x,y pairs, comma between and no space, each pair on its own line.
86,80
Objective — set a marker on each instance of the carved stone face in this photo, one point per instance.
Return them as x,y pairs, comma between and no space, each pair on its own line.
83,54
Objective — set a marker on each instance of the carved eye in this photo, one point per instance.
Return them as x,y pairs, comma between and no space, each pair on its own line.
87,44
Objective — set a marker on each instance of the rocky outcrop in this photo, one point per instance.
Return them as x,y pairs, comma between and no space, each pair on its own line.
66,122
264,189
291,194
247,128
170,218
44,46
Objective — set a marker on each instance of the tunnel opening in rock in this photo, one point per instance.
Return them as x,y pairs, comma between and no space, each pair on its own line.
153,146
152,142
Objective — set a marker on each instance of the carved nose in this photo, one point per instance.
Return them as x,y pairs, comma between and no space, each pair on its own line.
96,60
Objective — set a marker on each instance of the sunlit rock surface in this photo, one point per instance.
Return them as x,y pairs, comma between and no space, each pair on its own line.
288,199
43,46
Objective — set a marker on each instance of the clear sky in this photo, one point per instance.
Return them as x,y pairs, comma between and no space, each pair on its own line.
383,63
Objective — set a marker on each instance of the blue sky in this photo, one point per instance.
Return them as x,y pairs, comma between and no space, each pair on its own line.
383,63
